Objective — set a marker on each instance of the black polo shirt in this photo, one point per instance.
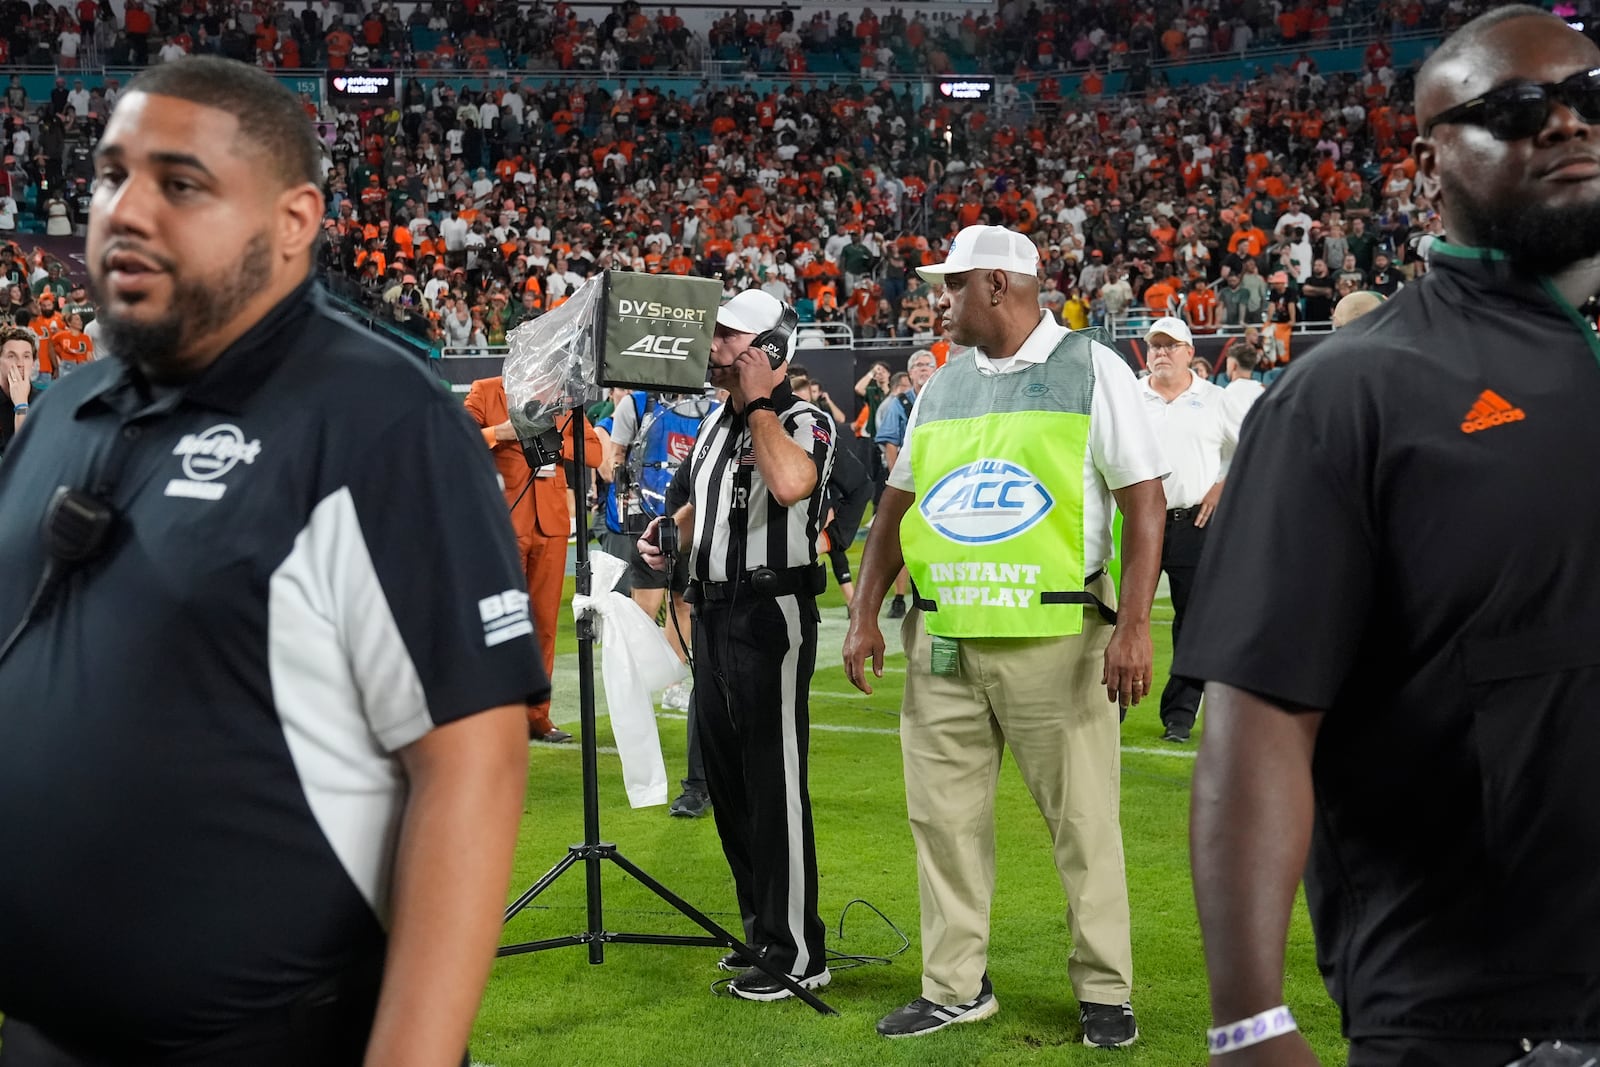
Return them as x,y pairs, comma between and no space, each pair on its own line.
199,789
1408,540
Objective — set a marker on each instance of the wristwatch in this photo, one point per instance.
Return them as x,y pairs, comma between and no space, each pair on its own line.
760,403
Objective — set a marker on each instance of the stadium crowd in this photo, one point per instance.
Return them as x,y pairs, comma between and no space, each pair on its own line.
457,213
480,34
1258,202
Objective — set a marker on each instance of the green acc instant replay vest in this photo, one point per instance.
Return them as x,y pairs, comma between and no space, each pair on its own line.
994,541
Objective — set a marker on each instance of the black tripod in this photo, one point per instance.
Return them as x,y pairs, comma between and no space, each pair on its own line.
593,851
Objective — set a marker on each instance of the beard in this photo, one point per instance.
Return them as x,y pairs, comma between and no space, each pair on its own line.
199,307
1538,238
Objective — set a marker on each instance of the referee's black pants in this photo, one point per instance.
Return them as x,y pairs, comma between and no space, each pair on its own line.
753,658
1180,556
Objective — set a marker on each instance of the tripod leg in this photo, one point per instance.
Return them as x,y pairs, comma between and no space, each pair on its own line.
542,884
689,911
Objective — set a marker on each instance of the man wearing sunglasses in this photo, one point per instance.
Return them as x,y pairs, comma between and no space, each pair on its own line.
1399,644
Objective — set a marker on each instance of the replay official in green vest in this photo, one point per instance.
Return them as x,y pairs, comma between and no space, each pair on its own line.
1017,455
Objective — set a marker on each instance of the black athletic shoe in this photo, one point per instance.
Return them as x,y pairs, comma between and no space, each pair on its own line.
690,805
1178,735
1108,1025
755,984
897,608
923,1016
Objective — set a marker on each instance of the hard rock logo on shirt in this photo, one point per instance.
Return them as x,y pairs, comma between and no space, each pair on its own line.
207,457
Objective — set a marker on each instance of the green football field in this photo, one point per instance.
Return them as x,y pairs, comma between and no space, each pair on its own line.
655,1005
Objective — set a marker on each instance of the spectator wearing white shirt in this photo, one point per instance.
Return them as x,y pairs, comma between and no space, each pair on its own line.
78,98
1295,216
474,244
454,231
1199,431
511,103
482,187
438,284
1242,389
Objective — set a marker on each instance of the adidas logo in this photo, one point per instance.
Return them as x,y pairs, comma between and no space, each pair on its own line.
1492,409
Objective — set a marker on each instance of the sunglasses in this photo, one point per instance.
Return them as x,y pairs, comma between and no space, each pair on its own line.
1514,112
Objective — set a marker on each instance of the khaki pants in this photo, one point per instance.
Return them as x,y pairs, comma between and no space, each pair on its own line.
1043,698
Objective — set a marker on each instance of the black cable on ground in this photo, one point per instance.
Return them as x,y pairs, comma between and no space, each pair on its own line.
839,962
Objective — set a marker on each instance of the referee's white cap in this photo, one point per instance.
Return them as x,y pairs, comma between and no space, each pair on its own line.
985,248
751,311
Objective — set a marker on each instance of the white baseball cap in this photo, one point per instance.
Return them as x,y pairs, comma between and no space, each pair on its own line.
751,311
1174,328
986,248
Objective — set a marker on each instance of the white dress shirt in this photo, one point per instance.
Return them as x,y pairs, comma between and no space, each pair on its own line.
1199,430
1123,445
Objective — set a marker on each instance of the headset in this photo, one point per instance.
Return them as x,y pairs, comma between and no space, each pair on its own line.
775,341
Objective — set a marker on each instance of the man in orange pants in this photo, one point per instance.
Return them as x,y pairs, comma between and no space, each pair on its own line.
539,513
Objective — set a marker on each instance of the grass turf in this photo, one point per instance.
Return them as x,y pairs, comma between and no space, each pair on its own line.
654,1005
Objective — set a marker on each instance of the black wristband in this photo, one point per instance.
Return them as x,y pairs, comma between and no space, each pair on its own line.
760,403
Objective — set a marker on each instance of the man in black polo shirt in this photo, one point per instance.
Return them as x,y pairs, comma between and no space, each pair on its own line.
754,486
1399,610
261,753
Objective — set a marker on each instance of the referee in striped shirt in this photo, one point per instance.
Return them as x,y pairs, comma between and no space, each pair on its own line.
754,486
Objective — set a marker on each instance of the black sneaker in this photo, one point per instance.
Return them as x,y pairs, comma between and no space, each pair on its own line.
755,984
690,805
1178,735
1108,1025
923,1016
897,608
735,962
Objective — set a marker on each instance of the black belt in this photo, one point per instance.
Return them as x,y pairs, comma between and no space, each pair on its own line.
763,582
1180,514
1083,597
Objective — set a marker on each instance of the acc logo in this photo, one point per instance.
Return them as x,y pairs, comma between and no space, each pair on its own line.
984,502
660,346
1036,389
215,452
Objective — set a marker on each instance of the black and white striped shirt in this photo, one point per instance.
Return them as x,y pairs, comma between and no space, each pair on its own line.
738,526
